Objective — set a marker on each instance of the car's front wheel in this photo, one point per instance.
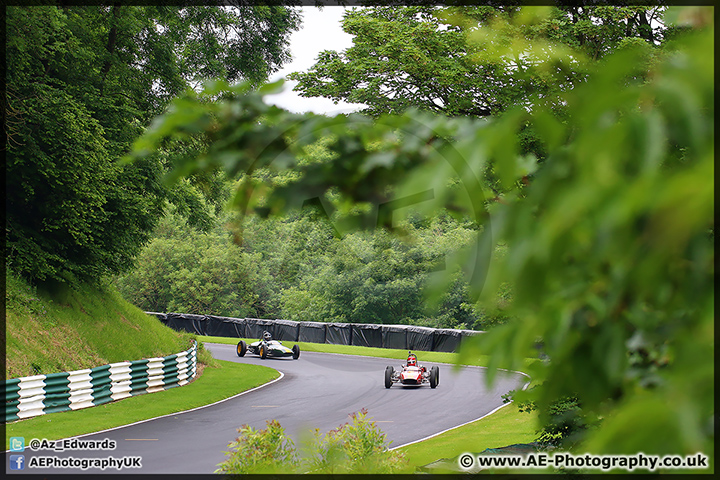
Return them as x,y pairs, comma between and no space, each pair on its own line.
389,370
263,352
241,349
434,376
296,352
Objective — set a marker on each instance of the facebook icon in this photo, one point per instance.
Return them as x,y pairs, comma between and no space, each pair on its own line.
17,462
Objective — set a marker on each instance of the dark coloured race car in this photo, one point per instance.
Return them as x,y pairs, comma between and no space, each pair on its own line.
267,347
412,374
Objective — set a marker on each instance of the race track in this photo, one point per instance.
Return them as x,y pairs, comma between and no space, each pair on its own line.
316,391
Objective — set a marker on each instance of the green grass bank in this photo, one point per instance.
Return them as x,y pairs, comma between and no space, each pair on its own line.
59,329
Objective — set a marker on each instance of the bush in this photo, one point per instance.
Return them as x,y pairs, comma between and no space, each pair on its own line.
261,451
354,447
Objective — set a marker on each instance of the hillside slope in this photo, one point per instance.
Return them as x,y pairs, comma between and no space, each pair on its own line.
63,329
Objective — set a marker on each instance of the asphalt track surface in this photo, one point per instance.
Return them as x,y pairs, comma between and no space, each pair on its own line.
318,390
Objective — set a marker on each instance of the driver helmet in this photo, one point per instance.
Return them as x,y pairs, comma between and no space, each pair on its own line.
412,360
266,336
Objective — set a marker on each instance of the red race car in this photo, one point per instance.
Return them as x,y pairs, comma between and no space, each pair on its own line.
412,374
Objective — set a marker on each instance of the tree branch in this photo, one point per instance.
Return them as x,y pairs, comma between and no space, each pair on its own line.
112,40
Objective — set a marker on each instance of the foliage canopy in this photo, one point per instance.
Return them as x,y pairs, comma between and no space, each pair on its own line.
82,84
440,59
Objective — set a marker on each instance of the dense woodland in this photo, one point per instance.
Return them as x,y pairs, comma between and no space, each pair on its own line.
298,268
541,173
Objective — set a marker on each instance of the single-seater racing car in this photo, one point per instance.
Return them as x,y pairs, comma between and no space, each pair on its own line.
412,374
267,347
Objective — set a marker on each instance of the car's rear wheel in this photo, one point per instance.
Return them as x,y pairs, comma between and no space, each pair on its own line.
241,348
263,351
389,370
296,352
434,376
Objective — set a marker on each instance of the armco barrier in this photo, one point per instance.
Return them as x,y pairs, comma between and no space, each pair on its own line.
57,392
409,337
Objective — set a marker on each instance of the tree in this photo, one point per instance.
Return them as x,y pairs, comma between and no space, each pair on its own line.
421,57
609,248
184,270
443,60
82,84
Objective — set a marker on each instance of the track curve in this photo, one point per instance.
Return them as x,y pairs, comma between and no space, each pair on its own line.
318,390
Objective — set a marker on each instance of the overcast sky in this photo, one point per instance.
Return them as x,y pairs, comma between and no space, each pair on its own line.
321,30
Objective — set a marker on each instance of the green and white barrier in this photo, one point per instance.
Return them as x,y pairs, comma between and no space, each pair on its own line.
57,392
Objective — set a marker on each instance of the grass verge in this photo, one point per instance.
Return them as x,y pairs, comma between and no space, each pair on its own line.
213,385
505,427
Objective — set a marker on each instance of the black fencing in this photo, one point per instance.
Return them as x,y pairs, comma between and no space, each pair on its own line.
186,322
225,327
366,335
160,316
313,332
465,334
419,338
287,330
408,337
338,333
394,336
446,340
255,327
